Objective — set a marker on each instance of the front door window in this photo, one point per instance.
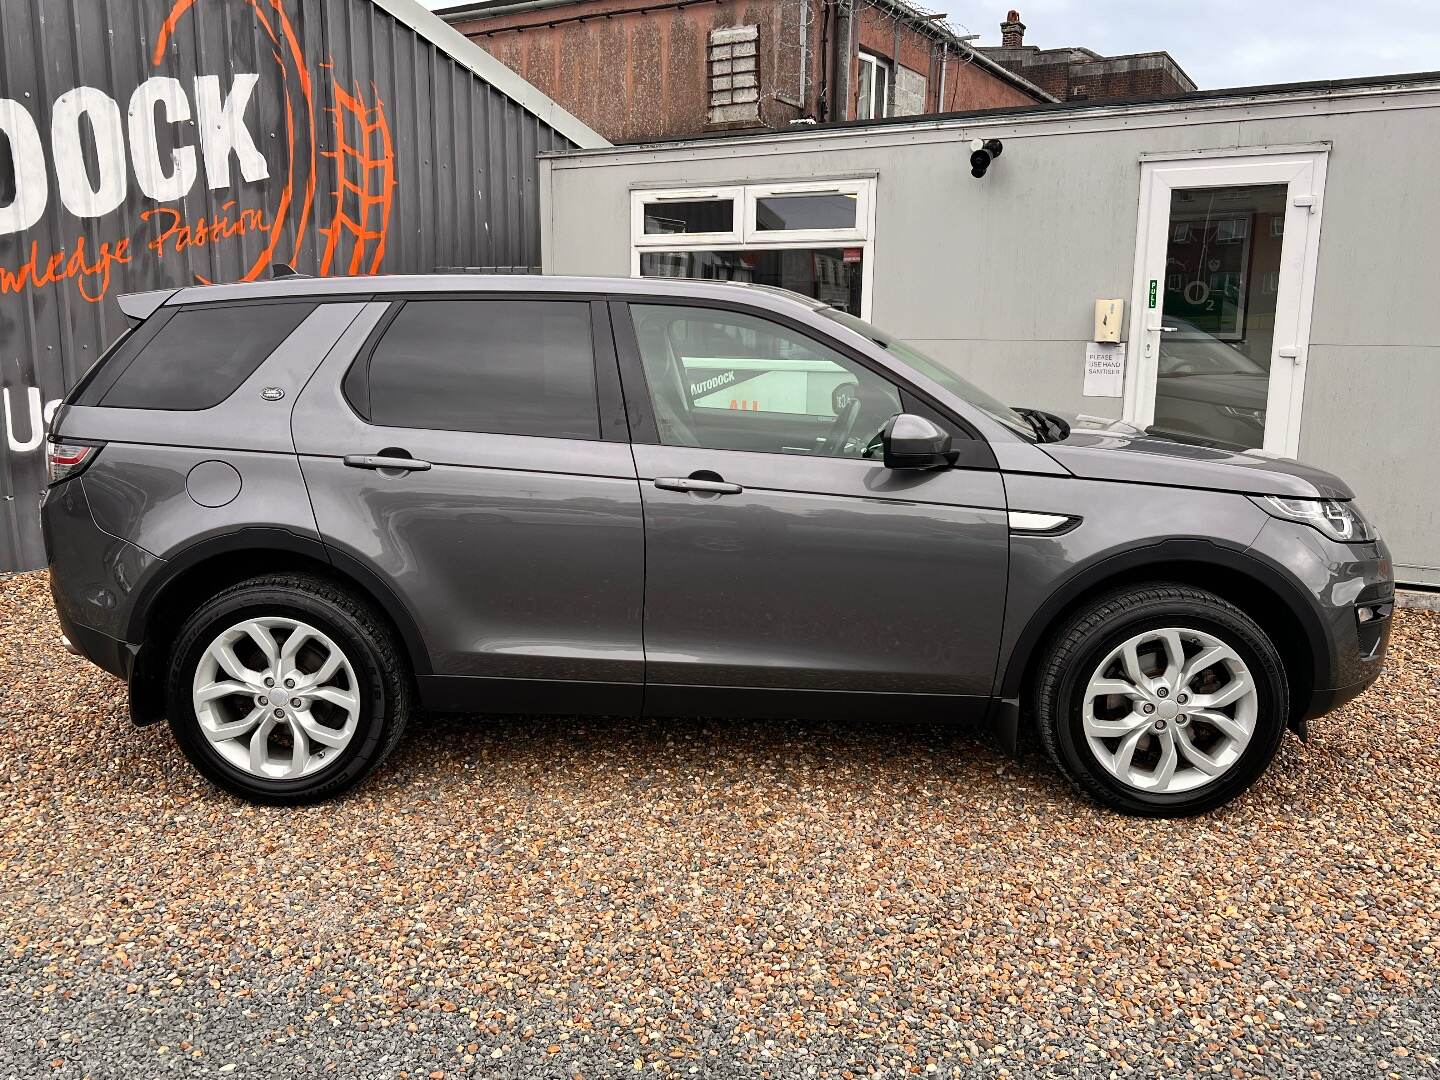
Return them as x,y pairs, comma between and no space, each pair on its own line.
729,381
1222,276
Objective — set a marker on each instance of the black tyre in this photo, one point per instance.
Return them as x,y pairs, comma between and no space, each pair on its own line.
287,689
1161,700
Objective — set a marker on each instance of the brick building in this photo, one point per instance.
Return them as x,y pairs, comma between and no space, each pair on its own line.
1079,74
636,70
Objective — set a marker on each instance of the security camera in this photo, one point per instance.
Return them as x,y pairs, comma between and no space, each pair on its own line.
982,152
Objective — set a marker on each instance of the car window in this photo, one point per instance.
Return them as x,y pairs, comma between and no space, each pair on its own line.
730,381
200,357
509,367
931,369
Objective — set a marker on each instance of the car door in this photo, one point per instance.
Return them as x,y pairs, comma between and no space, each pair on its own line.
781,564
473,456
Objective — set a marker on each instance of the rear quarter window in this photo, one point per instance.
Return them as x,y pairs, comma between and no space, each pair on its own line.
197,359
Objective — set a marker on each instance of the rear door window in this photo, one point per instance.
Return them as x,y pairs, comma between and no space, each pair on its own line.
199,357
508,367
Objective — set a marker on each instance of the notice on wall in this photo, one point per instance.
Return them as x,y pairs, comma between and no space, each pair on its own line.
1104,369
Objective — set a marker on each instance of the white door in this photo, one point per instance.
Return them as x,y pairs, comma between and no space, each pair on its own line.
1224,277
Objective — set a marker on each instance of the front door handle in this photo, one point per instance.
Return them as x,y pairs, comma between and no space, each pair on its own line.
690,483
376,461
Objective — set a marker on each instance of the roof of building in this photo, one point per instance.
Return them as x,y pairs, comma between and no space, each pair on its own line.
1194,97
940,26
430,26
921,18
1013,51
1028,56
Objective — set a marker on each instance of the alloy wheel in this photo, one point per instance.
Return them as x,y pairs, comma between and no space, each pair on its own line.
1170,710
277,698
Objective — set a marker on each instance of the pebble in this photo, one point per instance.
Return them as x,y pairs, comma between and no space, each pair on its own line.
559,897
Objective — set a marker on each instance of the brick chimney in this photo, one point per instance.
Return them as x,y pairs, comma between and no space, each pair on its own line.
1012,31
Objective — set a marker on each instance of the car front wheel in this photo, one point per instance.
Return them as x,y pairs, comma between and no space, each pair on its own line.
287,689
1162,700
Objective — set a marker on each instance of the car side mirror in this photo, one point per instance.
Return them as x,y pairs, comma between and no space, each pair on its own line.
913,442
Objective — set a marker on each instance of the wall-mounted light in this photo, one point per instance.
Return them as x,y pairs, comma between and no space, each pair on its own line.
982,152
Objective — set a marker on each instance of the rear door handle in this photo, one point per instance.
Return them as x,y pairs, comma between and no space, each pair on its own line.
685,483
374,461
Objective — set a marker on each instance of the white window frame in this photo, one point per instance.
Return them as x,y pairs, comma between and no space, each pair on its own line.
881,74
639,199
1302,171
746,237
859,189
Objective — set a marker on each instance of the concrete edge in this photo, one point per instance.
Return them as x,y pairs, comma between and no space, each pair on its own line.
1418,599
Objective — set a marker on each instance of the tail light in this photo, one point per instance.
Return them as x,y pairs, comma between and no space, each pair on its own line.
69,459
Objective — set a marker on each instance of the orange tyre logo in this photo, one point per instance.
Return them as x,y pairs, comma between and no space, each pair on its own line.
364,157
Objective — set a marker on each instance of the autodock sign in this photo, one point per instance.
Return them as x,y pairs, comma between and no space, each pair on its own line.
90,154
150,144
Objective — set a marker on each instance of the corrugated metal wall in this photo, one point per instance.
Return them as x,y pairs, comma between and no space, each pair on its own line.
150,143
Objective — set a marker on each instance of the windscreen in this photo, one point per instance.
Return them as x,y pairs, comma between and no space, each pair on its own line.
961,388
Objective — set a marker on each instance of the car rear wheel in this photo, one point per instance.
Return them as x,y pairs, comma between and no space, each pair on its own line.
287,689
1163,700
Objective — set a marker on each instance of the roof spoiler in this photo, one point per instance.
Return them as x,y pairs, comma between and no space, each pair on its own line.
141,305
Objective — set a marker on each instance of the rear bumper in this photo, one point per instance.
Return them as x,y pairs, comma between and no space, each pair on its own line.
92,579
116,657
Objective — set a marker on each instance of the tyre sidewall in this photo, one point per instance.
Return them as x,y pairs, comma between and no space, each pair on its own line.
201,630
1238,633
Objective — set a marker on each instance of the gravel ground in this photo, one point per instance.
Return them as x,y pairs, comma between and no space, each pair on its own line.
560,897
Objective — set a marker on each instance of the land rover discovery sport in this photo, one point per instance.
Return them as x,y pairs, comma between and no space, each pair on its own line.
291,513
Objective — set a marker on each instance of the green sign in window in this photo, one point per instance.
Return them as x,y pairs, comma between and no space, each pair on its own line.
1153,284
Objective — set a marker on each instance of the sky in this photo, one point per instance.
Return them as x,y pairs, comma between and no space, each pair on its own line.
1224,42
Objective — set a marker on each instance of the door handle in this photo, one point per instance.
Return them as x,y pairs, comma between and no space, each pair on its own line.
375,461
687,483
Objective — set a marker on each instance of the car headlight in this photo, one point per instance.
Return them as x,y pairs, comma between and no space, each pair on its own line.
1341,521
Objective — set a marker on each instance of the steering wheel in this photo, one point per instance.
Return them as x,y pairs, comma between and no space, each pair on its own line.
842,428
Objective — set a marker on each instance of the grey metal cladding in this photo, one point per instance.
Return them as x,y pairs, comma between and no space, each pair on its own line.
342,139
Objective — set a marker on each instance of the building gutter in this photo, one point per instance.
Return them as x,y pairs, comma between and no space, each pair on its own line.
642,7
1002,72
842,47
495,8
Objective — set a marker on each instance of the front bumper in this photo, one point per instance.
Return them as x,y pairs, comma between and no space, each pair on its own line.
1321,702
1350,594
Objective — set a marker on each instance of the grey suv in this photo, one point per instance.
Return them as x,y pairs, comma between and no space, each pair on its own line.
290,513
